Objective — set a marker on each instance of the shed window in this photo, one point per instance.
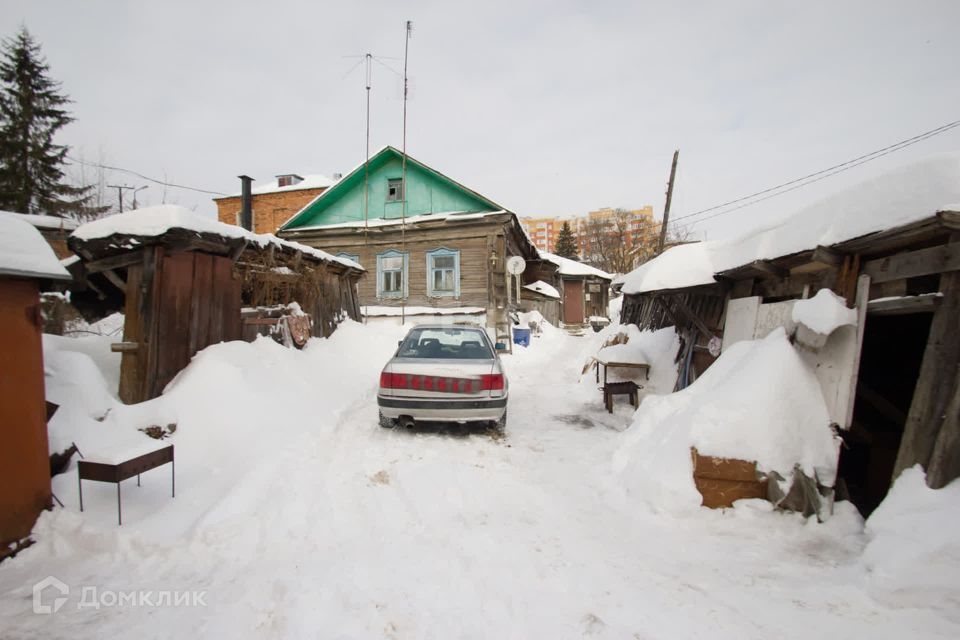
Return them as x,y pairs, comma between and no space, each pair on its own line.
349,256
443,272
394,190
392,275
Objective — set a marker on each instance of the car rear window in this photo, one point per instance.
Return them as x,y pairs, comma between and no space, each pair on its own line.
448,344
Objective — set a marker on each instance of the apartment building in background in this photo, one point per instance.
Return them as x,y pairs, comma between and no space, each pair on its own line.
543,231
641,228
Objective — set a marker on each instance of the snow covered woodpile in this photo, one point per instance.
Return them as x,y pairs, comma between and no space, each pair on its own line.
888,250
26,260
182,280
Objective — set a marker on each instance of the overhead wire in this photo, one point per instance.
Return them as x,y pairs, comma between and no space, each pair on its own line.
815,176
143,177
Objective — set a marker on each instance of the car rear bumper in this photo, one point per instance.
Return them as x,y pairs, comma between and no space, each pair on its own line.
443,410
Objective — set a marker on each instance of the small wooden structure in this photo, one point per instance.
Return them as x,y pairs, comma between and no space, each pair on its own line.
25,264
901,406
182,289
723,481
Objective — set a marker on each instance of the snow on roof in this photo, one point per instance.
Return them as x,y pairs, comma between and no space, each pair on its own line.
543,288
155,221
409,220
907,194
685,265
24,252
46,222
573,268
313,181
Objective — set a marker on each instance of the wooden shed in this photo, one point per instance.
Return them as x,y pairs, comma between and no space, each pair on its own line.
26,261
182,281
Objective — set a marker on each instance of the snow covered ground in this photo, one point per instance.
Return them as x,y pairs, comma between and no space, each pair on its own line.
296,515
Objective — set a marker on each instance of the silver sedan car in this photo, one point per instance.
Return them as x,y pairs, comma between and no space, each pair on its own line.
443,373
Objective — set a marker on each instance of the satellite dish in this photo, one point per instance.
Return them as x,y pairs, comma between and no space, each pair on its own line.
516,265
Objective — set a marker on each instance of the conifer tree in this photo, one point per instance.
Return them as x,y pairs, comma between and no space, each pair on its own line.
566,243
32,111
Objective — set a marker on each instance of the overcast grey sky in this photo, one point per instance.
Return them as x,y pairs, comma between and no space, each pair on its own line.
549,108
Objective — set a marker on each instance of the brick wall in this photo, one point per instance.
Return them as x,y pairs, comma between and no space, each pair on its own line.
270,210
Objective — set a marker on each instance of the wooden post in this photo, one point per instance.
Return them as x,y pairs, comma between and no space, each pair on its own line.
666,208
931,436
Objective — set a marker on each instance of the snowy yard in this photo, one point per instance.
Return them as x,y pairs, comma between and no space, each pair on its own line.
299,516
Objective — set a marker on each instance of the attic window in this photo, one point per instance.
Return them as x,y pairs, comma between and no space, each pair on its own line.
394,190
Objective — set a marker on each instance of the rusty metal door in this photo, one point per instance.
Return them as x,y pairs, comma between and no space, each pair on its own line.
24,459
573,301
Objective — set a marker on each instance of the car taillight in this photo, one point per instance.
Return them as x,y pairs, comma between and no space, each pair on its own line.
491,382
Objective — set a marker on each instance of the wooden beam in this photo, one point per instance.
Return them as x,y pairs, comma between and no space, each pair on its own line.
766,266
125,347
914,263
926,303
113,262
936,383
950,219
117,281
826,255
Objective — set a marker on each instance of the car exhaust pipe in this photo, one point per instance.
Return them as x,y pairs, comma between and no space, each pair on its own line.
406,422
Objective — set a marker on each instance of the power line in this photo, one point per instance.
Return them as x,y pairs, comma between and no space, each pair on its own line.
143,177
818,175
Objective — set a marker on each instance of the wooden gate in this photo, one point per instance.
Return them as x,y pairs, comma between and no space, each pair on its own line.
573,301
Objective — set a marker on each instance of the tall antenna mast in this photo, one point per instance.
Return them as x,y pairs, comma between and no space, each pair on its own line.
366,165
403,172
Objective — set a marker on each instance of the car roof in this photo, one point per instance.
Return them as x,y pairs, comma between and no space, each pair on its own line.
444,327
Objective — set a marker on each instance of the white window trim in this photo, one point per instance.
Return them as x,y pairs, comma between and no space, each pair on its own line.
392,253
443,251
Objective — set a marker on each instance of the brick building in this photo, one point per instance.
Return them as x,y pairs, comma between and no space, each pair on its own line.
543,231
275,202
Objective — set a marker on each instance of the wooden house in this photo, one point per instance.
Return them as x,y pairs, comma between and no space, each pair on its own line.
433,247
584,290
26,261
892,385
183,283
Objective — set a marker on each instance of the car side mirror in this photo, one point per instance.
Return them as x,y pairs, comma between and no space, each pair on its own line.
500,346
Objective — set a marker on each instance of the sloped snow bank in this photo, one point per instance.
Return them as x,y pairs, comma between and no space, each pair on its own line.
913,556
759,401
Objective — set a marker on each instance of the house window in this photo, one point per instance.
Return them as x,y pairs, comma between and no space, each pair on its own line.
392,275
394,190
443,273
349,256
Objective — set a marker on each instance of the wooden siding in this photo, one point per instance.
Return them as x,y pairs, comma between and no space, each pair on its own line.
176,305
474,242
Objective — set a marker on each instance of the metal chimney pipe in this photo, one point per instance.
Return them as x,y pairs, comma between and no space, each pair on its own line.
246,202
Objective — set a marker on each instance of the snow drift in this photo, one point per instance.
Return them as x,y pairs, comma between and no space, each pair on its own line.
914,553
759,401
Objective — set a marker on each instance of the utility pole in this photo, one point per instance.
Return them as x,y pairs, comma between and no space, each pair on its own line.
666,208
119,189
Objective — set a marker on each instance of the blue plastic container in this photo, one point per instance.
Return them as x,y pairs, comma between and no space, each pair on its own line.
521,337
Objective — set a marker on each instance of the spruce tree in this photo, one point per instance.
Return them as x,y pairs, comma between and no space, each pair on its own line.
32,110
566,243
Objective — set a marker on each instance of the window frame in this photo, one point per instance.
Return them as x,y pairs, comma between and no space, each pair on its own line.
400,189
440,253
350,256
404,274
